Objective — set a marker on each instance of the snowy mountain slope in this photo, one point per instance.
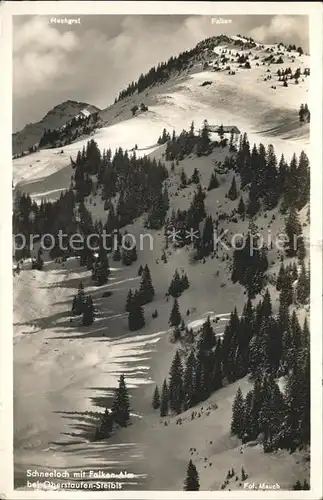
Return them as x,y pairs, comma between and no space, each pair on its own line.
244,99
55,118
90,361
63,370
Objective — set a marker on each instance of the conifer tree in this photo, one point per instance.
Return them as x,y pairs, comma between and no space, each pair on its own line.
303,180
213,183
140,270
164,400
136,319
271,191
296,429
129,301
146,290
77,307
207,242
280,277
303,286
306,335
88,311
106,425
296,332
286,293
195,179
253,203
116,256
203,144
183,179
248,417
176,335
192,482
175,315
121,404
207,339
231,143
243,474
175,287
233,192
241,207
294,271
175,387
293,229
156,399
39,261
188,384
237,414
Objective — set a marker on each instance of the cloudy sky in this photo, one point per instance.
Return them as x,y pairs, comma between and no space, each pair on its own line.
92,61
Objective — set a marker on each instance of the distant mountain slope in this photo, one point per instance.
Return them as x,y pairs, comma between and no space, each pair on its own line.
195,87
55,118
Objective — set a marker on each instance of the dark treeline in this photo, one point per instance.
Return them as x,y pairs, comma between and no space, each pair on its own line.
138,181
187,142
162,72
46,218
270,182
264,346
82,125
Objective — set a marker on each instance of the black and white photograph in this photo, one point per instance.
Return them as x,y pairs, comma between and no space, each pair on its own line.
162,211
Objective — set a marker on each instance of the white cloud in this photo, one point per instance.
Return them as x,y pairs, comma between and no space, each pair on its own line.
93,61
40,56
287,29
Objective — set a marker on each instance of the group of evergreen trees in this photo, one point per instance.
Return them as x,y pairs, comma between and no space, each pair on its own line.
30,219
304,113
183,222
287,275
136,300
139,181
178,284
282,418
258,342
192,481
119,413
69,132
295,243
250,263
165,137
175,318
187,142
100,268
202,375
182,145
270,181
83,304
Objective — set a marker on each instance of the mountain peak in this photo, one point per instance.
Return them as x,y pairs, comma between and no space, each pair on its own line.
55,118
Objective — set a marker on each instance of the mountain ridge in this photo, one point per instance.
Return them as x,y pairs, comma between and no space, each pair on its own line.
56,117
